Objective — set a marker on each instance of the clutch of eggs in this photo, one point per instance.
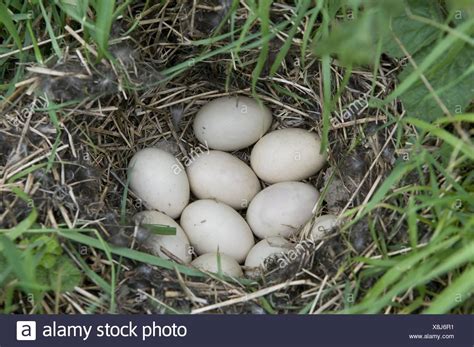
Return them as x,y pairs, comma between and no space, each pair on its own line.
211,226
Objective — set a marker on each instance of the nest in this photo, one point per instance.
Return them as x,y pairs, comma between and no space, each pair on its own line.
80,154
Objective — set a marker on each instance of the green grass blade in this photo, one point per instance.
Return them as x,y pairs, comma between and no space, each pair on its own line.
6,20
123,201
308,31
160,229
23,226
264,16
466,148
177,69
36,49
49,28
467,117
22,265
103,23
440,49
326,72
77,11
414,270
253,15
461,288
90,273
302,9
412,220
405,263
397,173
129,253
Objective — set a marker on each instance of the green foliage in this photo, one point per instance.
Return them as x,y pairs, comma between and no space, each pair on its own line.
6,20
264,15
25,224
126,252
460,10
49,27
98,27
413,28
354,32
160,229
104,16
459,290
450,249
3,268
414,35
39,263
53,269
19,271
65,275
95,17
302,10
451,79
75,9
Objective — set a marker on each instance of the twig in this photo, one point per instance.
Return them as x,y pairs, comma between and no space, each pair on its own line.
248,297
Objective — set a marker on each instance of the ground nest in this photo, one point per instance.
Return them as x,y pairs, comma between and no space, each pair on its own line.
72,163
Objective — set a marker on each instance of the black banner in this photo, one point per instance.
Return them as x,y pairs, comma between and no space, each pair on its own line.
219,330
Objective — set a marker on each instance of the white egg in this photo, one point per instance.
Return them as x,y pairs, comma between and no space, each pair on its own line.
160,180
221,176
281,209
210,262
231,123
265,248
323,225
287,155
213,226
177,245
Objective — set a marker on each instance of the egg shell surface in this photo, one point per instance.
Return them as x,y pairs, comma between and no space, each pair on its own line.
290,154
282,208
221,176
323,225
210,262
231,123
177,244
213,226
160,180
265,248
